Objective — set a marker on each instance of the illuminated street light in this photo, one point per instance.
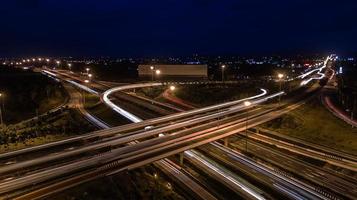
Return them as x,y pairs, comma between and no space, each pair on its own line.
280,76
158,72
172,87
152,72
90,75
246,104
83,92
39,59
28,60
33,59
47,60
223,66
87,69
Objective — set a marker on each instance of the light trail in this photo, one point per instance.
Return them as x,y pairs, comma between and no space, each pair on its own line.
226,175
318,70
83,87
136,119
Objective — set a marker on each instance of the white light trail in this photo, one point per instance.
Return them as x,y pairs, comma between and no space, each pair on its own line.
83,87
225,175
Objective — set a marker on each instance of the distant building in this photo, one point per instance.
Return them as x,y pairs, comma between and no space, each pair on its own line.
165,72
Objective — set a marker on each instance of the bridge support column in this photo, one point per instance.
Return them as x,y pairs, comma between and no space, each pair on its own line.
181,158
257,130
226,141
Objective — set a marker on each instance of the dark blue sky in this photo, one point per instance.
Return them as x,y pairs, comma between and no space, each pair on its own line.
176,27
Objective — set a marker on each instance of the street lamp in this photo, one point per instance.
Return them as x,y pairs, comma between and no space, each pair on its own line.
172,87
84,94
152,72
246,104
157,72
87,69
280,76
223,66
58,63
47,60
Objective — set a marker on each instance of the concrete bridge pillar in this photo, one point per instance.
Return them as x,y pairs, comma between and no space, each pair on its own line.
226,141
181,158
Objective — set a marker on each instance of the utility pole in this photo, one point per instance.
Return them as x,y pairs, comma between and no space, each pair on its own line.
223,66
280,76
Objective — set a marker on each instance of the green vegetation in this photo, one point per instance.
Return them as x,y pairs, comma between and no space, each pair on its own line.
54,126
103,112
26,92
314,123
135,184
151,92
204,95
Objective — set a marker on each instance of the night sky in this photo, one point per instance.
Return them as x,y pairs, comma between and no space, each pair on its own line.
176,27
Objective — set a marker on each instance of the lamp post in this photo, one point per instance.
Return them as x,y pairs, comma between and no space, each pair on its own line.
69,66
280,76
83,94
246,104
223,66
87,69
58,63
157,72
152,72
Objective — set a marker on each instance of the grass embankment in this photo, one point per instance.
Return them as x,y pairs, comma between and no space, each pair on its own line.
204,95
314,123
24,92
51,127
94,106
135,184
151,92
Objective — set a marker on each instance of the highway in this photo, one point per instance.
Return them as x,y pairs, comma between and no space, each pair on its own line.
151,149
142,153
165,165
70,168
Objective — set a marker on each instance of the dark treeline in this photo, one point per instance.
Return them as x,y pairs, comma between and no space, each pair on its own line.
27,92
347,87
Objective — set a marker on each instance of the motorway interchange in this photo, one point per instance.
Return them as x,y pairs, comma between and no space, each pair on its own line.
113,150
